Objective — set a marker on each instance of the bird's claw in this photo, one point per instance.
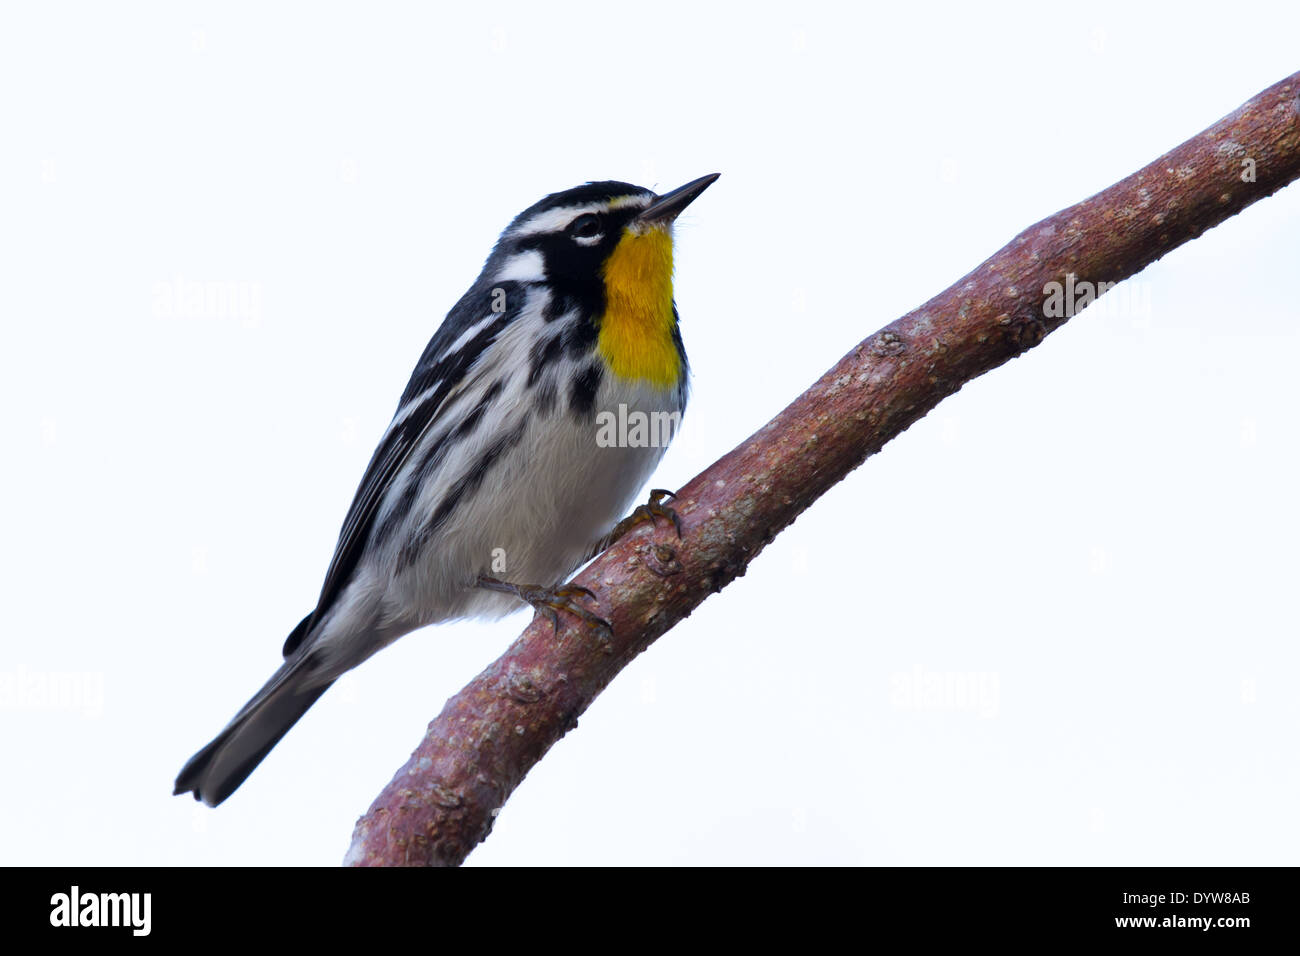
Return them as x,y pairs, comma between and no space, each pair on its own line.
649,512
550,601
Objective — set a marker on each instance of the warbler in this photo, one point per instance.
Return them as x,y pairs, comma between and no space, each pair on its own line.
493,459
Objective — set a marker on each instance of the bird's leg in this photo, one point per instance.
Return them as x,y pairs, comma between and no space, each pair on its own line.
549,601
652,509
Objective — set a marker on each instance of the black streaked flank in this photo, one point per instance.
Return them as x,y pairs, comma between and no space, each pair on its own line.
423,473
546,396
474,417
543,354
437,378
582,396
472,478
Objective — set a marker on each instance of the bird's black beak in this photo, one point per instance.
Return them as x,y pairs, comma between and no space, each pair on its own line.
666,207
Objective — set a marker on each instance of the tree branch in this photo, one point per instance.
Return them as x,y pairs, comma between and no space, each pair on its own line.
442,802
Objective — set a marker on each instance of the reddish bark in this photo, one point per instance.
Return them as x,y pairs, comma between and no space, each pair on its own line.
442,802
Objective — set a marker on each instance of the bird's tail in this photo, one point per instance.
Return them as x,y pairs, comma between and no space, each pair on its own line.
216,771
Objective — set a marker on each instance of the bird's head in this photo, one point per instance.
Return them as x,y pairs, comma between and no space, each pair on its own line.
607,232
606,249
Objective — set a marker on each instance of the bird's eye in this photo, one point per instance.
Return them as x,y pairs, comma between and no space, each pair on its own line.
585,227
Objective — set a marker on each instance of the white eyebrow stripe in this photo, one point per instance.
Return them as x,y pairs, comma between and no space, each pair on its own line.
527,266
553,220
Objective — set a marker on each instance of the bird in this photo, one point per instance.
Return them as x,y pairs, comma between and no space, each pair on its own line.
509,461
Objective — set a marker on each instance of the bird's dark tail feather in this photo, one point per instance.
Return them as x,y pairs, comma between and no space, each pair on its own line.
216,771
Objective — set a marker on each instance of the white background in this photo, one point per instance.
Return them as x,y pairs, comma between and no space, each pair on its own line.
1099,539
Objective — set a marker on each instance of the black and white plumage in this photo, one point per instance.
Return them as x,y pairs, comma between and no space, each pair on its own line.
492,451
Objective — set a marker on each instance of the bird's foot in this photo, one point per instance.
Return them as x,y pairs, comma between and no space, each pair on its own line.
550,601
651,510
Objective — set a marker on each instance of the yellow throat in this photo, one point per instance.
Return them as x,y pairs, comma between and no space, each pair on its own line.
636,332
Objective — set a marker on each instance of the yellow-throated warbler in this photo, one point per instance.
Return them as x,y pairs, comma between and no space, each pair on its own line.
510,453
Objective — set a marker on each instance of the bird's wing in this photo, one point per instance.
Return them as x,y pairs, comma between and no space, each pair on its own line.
438,377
